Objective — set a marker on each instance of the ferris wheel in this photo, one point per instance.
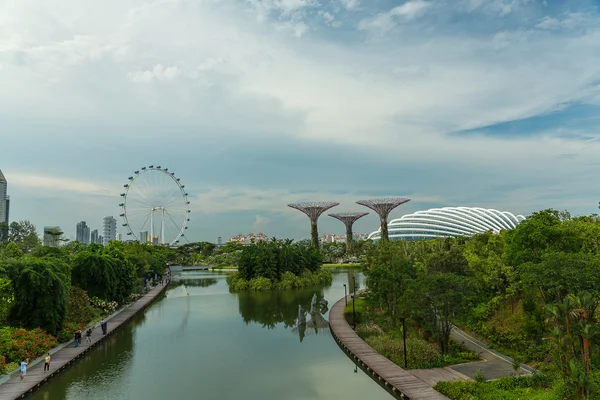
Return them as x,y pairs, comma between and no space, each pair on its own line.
155,207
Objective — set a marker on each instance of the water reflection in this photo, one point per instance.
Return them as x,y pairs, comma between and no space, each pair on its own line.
271,308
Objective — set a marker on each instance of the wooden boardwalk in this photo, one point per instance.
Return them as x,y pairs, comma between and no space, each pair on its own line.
397,380
14,388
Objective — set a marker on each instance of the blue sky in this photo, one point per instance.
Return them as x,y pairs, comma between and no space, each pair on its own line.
255,104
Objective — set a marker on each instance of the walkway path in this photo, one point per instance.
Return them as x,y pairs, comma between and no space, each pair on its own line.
14,388
397,380
494,364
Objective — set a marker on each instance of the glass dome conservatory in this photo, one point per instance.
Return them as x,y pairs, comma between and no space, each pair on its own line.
449,222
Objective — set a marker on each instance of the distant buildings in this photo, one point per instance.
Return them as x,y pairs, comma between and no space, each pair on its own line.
144,237
219,241
333,238
4,199
109,230
83,233
118,237
249,238
52,236
95,238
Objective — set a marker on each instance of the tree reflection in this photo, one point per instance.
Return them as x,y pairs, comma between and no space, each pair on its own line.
271,308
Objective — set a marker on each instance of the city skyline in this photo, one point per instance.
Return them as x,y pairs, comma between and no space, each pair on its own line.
450,103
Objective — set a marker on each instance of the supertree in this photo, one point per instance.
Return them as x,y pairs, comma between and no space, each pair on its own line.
383,206
348,218
314,209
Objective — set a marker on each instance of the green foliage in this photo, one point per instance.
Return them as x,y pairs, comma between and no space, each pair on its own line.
359,311
5,340
29,344
420,353
7,299
479,376
535,387
237,283
278,264
41,293
79,309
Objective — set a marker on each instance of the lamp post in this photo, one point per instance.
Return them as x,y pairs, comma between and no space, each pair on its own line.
404,340
353,309
345,295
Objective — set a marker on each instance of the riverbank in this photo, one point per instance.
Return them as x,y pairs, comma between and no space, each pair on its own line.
66,354
395,379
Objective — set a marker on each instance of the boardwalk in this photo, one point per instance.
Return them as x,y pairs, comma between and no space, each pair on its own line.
14,388
404,384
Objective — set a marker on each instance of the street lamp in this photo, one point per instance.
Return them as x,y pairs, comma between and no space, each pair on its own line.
345,295
404,340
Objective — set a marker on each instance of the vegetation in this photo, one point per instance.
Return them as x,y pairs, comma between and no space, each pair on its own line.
278,264
48,292
531,292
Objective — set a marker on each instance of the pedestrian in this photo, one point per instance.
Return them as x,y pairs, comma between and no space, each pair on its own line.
88,335
75,342
79,335
24,367
47,362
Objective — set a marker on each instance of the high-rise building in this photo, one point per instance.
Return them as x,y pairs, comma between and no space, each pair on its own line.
219,240
4,199
83,233
52,235
100,239
109,230
118,237
144,237
94,237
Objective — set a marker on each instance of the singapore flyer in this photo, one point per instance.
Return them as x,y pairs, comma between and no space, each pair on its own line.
155,206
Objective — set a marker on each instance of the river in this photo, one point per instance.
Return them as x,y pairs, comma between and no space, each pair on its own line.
200,341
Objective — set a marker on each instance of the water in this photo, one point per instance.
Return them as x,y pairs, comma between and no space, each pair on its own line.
200,341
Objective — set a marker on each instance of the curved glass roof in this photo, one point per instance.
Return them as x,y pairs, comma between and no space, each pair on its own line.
449,222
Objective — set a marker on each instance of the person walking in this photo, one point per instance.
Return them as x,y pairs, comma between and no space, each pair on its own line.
24,367
47,362
75,342
88,336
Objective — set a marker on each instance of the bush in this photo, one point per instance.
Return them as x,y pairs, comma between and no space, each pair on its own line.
79,309
66,333
108,307
359,311
237,283
29,344
421,354
2,365
535,387
260,284
479,377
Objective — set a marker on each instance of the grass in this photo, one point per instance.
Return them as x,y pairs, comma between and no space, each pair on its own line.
355,265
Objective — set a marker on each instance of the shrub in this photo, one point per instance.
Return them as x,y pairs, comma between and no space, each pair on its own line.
359,311
4,340
79,309
479,377
29,344
108,307
66,333
421,354
2,365
260,284
289,281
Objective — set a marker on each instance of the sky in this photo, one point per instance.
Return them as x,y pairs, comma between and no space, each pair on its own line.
259,103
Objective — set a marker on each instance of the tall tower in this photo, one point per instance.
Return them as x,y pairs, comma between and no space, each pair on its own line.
348,219
314,209
4,200
383,206
109,230
83,233
94,237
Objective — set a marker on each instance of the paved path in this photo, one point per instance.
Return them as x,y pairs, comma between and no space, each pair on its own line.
400,382
495,365
14,388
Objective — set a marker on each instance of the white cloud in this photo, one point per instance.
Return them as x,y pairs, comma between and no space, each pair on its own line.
387,20
159,72
350,4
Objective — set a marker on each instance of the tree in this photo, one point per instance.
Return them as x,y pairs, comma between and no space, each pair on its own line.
96,273
40,293
4,233
434,299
